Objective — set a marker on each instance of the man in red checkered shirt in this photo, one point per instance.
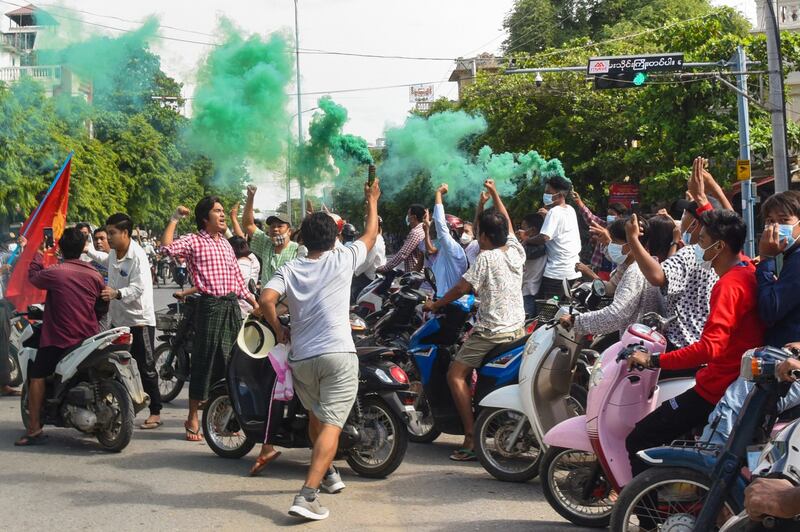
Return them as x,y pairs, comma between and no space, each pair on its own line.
411,252
217,319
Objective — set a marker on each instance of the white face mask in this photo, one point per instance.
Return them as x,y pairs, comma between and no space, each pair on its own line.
700,253
465,239
615,253
12,247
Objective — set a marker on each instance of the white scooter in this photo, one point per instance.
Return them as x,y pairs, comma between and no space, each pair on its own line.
514,419
96,387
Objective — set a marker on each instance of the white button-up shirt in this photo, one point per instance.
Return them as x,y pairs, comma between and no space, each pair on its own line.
130,275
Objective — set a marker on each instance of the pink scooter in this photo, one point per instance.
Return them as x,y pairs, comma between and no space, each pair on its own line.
586,462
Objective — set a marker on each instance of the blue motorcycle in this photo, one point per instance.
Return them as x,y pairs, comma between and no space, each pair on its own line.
427,359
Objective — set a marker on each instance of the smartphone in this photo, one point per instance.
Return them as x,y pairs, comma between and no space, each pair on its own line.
48,237
371,174
636,209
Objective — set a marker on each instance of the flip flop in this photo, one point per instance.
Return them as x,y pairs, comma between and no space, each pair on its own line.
150,425
192,435
262,462
31,439
463,455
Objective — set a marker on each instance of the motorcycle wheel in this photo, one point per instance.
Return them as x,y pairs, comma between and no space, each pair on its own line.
384,440
493,428
678,495
170,388
221,428
429,430
565,474
15,375
578,396
117,435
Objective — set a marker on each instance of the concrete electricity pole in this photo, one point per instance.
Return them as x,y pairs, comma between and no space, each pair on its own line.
777,106
299,109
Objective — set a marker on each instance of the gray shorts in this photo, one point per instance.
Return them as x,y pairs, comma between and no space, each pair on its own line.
478,345
327,385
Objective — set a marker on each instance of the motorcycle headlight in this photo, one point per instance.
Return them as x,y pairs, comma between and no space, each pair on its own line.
596,376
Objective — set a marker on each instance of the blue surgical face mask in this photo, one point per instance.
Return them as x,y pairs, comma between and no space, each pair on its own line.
547,198
408,220
610,218
686,236
12,247
786,232
699,255
615,253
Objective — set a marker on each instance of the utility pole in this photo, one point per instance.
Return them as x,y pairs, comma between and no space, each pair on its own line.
299,107
780,155
747,187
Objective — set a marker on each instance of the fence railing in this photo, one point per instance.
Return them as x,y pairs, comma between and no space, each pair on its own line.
39,73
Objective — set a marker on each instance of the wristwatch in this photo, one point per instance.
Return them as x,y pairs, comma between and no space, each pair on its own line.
119,295
674,243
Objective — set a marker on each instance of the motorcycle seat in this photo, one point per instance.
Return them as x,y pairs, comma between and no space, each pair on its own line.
503,348
371,351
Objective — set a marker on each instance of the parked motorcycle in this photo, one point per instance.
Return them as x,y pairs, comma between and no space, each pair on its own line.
779,459
96,387
514,418
373,299
373,440
173,356
697,485
180,272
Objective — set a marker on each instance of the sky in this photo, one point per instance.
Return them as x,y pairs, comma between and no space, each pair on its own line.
442,29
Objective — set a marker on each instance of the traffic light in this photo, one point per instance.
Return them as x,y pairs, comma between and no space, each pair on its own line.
621,80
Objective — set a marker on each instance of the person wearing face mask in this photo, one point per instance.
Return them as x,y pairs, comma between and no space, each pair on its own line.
779,293
733,326
599,262
561,238
274,249
446,256
470,243
410,255
686,286
634,296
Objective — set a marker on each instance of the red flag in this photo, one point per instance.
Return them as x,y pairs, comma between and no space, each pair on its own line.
51,212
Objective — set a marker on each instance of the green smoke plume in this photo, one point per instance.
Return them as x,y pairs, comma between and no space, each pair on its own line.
329,155
239,108
437,146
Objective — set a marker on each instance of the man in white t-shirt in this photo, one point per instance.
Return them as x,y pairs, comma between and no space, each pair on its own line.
323,357
561,237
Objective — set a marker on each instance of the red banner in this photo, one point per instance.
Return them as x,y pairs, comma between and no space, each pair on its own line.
51,212
624,193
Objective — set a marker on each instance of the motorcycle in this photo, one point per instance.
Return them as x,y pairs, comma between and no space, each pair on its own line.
586,459
96,387
374,439
173,356
779,459
695,484
515,415
180,272
18,325
372,301
402,314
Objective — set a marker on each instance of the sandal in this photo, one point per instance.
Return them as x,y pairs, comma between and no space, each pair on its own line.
262,462
147,425
192,435
463,455
31,439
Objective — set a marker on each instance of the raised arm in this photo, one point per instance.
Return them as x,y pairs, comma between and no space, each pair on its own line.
713,188
426,227
237,229
169,232
498,203
248,219
649,266
371,194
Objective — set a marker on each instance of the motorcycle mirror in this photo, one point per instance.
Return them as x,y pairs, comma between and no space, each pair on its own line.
598,288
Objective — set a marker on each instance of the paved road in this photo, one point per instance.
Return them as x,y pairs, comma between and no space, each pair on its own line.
161,482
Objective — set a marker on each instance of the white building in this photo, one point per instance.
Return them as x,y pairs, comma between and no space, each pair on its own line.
20,38
788,12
